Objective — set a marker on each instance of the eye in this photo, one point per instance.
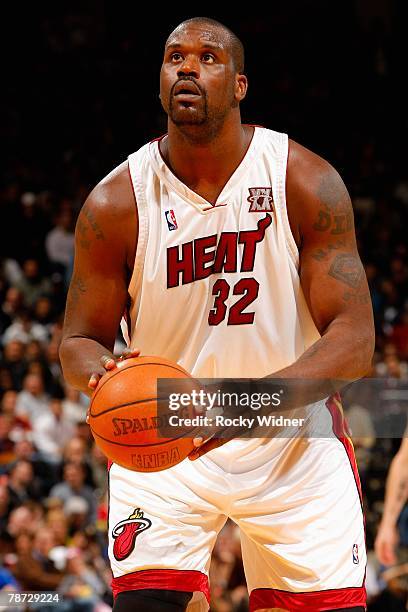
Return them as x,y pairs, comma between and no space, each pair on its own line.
176,57
208,58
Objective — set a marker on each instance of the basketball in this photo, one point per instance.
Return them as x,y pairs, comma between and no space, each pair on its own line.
123,416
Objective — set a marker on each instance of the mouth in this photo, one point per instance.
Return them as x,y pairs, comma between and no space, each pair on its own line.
186,90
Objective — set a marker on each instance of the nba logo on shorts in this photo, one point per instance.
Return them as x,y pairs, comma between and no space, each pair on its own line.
355,554
171,219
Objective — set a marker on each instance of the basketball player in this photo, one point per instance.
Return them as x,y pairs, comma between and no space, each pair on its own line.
395,498
235,252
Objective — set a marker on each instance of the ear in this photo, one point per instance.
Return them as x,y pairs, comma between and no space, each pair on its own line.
241,86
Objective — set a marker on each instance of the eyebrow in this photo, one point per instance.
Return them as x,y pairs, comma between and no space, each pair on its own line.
205,45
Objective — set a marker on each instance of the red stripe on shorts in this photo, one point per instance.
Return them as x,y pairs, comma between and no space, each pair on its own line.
165,579
307,602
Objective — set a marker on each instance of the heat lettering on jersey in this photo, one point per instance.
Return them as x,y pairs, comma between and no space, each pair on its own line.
202,257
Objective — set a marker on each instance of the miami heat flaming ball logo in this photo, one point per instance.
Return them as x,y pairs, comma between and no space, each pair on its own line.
125,533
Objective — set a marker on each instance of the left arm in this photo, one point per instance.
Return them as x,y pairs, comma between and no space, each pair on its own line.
331,273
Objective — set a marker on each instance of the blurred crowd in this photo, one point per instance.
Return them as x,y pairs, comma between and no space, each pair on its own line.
71,111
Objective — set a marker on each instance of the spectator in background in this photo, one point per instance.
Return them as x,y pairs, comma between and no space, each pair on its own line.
73,485
25,329
59,242
396,495
44,313
77,511
57,522
21,485
32,401
7,581
399,336
44,474
390,355
31,570
14,361
5,508
52,431
99,469
33,284
81,586
74,409
18,425
34,351
6,380
21,520
53,362
31,228
6,444
9,308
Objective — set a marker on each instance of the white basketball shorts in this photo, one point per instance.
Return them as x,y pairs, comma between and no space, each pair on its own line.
297,503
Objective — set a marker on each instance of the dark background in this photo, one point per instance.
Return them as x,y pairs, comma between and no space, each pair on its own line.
80,85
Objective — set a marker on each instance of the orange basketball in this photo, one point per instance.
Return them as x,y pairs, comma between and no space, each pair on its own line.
124,420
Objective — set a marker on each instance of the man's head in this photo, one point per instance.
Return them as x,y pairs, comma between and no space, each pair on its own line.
74,475
201,79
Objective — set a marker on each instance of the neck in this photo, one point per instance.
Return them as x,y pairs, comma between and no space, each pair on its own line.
197,161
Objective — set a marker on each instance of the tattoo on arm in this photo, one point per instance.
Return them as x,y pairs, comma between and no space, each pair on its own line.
322,254
348,269
83,240
77,289
83,227
335,213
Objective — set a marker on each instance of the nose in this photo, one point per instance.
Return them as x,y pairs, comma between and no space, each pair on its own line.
189,67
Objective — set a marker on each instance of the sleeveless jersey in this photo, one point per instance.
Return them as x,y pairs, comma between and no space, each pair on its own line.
216,288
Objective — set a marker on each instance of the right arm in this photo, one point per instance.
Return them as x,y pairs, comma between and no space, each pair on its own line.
395,497
105,246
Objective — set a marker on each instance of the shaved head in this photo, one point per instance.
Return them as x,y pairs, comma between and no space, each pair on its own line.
221,31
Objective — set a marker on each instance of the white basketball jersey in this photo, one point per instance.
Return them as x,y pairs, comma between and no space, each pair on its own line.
216,288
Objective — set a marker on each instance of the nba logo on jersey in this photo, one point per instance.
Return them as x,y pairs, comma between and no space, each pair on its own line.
261,199
171,219
355,554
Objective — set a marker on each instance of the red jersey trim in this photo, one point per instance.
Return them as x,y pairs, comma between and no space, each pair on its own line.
341,431
317,601
171,579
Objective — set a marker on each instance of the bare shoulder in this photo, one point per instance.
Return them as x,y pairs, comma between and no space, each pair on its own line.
108,218
113,195
316,194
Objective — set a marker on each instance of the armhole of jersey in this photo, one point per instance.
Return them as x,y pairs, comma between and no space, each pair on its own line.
281,191
135,283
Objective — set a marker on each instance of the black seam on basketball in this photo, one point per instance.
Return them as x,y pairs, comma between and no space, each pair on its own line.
137,365
142,401
141,445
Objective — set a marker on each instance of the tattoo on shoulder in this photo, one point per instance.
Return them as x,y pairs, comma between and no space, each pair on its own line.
335,214
90,217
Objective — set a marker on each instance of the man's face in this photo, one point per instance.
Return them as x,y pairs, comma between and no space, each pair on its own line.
197,79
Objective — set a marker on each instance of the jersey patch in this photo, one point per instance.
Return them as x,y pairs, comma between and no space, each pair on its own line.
171,220
261,199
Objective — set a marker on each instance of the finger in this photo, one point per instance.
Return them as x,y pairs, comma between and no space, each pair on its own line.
127,353
108,362
205,448
94,380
